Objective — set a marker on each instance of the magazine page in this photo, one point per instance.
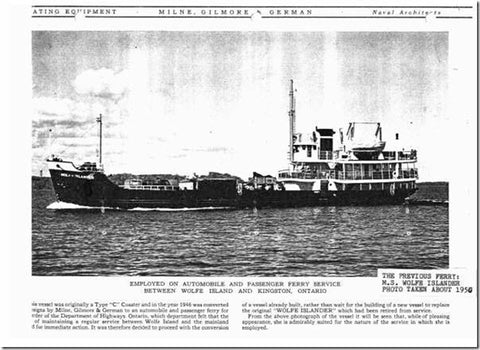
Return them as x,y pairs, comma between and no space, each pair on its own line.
218,174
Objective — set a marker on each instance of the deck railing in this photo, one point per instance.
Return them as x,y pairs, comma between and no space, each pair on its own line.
351,175
325,155
285,174
387,155
377,175
150,187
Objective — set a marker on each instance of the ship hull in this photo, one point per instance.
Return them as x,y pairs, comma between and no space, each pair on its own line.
96,190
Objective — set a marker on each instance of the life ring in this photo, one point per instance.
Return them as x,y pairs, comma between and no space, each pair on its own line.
392,190
395,174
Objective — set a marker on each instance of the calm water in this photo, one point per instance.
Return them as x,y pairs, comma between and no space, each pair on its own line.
324,241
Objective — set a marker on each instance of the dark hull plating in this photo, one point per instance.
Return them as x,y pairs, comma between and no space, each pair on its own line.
96,190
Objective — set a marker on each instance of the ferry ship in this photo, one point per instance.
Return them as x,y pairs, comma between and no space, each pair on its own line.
357,170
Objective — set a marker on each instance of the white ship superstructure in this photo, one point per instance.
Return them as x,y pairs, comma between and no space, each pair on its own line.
354,161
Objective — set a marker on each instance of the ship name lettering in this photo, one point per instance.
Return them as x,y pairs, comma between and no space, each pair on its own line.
88,177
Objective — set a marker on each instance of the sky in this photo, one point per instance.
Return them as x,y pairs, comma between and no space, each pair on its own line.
194,102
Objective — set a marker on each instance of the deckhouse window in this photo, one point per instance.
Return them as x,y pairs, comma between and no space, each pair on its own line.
326,144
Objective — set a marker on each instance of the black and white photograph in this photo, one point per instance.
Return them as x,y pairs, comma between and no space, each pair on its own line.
236,174
239,153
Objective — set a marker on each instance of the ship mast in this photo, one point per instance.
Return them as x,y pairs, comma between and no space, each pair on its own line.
291,115
99,121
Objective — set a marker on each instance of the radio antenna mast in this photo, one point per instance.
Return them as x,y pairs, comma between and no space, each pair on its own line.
291,114
99,121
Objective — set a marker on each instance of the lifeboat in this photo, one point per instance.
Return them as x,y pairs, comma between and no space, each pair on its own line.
368,152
